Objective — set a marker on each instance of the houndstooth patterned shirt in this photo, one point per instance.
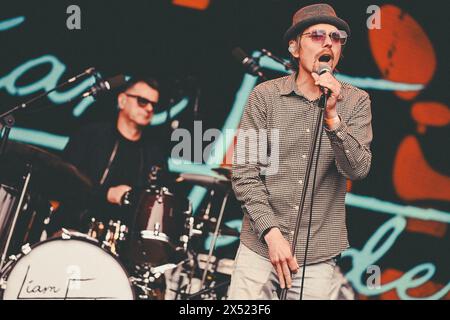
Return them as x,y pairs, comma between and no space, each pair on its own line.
272,200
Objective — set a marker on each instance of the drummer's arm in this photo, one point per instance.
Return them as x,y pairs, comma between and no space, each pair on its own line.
115,194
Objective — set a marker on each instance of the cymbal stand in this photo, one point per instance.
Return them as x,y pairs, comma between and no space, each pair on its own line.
214,238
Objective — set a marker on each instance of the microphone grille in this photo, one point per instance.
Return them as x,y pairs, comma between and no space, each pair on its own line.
116,81
323,67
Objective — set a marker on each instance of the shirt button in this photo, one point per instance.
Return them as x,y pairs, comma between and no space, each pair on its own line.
307,130
292,232
300,181
296,207
304,156
347,151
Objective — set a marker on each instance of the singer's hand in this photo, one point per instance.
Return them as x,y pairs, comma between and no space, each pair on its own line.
280,256
328,81
115,194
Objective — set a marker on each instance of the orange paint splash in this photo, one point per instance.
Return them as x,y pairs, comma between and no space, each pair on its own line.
193,4
425,290
432,228
402,50
430,114
413,177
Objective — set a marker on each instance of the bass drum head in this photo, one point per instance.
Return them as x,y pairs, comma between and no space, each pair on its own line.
60,269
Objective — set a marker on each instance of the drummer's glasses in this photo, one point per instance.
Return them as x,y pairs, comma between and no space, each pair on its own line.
142,102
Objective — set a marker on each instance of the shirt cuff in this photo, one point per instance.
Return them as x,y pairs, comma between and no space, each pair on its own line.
263,224
338,135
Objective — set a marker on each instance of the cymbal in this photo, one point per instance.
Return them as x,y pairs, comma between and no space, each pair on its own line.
224,171
51,177
220,182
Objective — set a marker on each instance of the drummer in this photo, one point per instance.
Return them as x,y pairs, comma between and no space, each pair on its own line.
117,156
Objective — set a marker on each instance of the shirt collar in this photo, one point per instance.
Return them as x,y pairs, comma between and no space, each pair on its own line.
289,85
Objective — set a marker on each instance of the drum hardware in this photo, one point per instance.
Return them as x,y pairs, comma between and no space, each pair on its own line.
208,293
26,249
96,229
223,266
150,281
192,230
115,234
214,238
126,201
209,205
10,232
110,237
168,267
209,226
217,181
66,234
46,222
202,260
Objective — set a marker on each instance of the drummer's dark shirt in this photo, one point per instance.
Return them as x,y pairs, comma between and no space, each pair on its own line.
90,151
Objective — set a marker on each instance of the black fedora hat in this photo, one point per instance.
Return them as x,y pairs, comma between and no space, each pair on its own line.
314,14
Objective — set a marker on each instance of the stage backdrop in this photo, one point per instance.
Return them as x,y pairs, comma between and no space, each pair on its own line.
398,217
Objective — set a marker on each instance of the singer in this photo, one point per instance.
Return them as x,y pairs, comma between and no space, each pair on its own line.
116,156
265,262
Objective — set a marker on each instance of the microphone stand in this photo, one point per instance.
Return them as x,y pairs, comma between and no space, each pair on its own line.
196,103
287,66
318,133
7,118
212,244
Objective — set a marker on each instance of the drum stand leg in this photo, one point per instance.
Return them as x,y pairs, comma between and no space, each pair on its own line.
214,239
16,215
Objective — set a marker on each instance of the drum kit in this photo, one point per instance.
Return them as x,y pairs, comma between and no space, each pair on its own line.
151,256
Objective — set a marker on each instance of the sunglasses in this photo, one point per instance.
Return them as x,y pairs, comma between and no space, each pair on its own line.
337,37
142,102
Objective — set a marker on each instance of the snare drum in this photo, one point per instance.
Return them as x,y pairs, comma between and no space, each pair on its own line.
73,267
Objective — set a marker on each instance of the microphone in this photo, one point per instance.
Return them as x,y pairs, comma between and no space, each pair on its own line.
323,68
86,72
250,64
286,65
105,85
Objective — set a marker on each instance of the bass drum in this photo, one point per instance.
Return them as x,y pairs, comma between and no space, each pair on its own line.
76,268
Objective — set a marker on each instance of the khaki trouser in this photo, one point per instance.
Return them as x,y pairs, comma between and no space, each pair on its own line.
254,278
